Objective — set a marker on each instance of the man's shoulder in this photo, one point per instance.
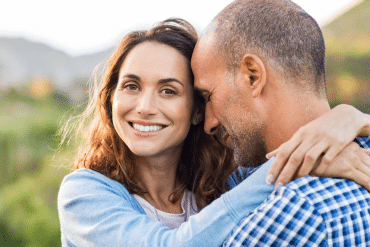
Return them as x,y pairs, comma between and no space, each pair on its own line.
311,208
330,192
363,141
329,196
313,187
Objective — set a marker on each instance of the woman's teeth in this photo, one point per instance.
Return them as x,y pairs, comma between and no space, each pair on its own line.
147,128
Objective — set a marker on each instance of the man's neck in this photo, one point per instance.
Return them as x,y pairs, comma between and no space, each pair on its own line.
288,114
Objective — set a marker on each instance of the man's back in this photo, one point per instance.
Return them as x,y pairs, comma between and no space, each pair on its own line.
309,211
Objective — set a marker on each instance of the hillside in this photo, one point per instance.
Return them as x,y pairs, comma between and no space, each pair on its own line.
23,61
350,32
347,41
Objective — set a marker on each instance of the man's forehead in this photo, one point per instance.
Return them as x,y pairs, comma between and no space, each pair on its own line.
206,43
205,47
199,54
205,64
204,53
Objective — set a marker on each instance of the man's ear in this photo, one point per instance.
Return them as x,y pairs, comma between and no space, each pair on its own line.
197,116
255,73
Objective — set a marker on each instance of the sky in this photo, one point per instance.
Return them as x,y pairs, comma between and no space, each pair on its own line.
86,26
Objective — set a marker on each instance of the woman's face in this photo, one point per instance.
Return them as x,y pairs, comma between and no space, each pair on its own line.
153,101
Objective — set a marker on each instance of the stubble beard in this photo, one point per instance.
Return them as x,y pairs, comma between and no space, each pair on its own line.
249,146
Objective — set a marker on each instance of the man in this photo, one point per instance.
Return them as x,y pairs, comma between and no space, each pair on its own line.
261,67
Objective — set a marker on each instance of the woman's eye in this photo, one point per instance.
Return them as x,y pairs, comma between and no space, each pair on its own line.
131,87
168,91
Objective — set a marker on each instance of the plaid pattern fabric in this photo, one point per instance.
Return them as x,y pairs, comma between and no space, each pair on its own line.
309,211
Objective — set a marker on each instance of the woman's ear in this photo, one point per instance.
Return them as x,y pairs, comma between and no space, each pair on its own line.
255,73
197,116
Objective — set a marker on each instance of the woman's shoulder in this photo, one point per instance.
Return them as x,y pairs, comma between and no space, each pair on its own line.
84,181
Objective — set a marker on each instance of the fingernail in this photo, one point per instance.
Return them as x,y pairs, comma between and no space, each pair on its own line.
268,156
280,184
269,179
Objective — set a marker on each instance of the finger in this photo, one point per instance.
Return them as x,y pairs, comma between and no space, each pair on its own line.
358,168
272,153
310,159
295,162
275,168
361,173
282,156
366,157
364,165
332,152
361,179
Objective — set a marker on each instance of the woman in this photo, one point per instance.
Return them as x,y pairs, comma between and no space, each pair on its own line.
145,154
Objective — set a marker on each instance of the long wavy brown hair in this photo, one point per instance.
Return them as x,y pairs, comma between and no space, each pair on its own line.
205,163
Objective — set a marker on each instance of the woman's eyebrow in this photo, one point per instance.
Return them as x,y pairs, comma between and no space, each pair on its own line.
161,81
131,76
166,80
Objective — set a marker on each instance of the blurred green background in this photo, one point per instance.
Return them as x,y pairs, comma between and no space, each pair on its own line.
32,167
347,41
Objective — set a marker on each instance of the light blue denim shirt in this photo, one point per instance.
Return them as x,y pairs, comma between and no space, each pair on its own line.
97,211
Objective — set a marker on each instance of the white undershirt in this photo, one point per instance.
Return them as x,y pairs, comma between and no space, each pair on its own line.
173,221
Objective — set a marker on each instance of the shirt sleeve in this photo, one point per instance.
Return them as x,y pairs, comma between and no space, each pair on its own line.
97,211
239,175
285,219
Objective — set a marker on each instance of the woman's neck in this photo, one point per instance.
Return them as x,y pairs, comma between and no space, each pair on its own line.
157,175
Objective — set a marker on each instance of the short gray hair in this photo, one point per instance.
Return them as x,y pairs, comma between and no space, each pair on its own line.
278,31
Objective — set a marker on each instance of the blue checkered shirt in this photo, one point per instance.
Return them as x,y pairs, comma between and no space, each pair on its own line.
309,211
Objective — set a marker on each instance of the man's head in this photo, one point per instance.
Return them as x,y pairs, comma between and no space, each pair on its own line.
252,54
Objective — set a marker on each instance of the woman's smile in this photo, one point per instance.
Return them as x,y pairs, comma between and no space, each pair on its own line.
146,130
143,126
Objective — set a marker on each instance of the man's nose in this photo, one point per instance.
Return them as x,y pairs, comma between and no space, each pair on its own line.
211,123
147,104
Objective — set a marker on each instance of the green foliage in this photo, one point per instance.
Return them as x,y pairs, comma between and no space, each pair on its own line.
350,33
348,57
31,168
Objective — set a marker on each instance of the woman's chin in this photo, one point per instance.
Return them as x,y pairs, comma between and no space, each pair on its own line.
144,152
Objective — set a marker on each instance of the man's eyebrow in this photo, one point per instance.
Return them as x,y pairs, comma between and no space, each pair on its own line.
201,90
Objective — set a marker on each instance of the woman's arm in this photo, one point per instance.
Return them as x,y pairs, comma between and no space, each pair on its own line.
97,211
322,139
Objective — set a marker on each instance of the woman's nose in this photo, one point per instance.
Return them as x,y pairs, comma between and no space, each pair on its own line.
147,104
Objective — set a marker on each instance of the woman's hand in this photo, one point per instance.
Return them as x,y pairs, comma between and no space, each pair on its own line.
322,139
352,163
